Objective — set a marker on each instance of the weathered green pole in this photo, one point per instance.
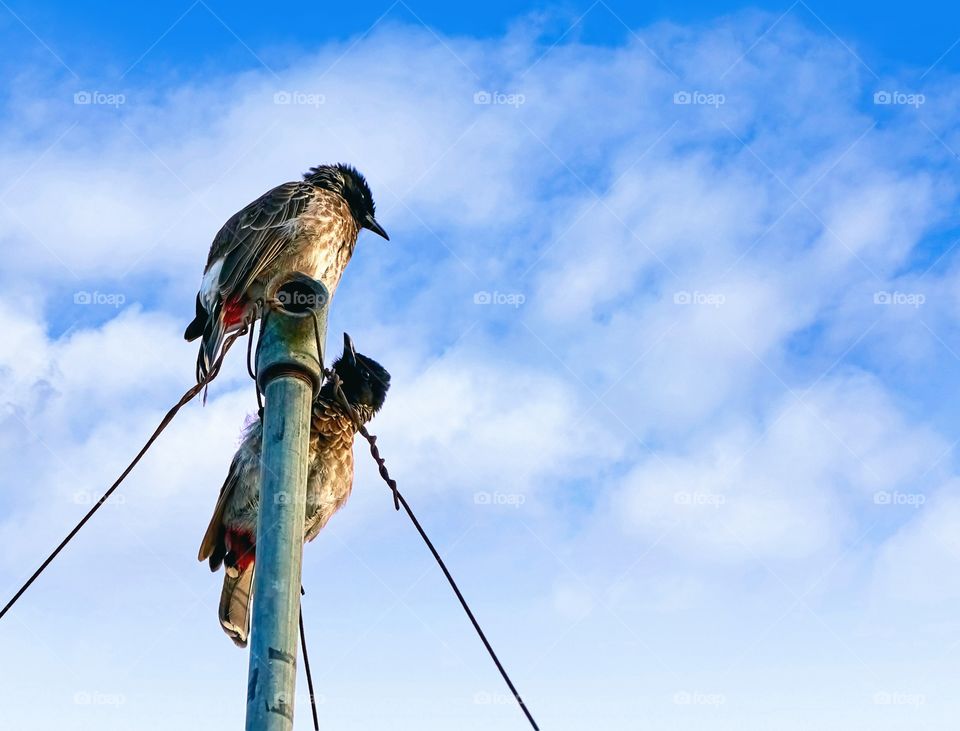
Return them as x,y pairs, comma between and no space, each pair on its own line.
289,374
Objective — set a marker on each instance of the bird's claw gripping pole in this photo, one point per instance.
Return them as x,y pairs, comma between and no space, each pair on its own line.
289,372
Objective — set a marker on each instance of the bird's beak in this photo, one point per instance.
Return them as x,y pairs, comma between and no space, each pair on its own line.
371,223
348,350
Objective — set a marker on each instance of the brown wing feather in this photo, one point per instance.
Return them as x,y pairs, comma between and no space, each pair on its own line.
253,237
334,431
213,539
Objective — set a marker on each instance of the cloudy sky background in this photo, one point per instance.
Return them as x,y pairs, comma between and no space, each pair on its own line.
670,312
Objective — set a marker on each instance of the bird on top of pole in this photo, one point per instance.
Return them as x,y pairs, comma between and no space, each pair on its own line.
231,536
308,226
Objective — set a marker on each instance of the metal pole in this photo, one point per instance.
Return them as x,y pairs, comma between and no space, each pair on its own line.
289,374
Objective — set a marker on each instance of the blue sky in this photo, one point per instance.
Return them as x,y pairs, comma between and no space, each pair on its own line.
88,34
670,307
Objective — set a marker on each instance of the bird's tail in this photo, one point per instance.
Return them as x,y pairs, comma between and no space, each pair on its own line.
195,328
235,603
210,345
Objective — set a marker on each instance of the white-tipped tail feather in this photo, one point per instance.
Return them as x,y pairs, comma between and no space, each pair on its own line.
235,603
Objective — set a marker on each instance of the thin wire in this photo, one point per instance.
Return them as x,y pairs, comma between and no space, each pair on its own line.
188,396
306,667
381,465
463,603
400,500
263,309
250,363
316,334
250,354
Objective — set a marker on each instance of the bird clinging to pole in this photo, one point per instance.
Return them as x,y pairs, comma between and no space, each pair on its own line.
231,536
310,226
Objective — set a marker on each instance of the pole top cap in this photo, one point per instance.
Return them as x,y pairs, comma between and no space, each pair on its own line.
293,330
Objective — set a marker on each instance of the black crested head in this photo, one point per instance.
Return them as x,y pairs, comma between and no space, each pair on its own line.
364,381
347,181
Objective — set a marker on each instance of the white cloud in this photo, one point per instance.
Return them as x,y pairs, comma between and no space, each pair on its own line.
467,424
919,564
790,487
